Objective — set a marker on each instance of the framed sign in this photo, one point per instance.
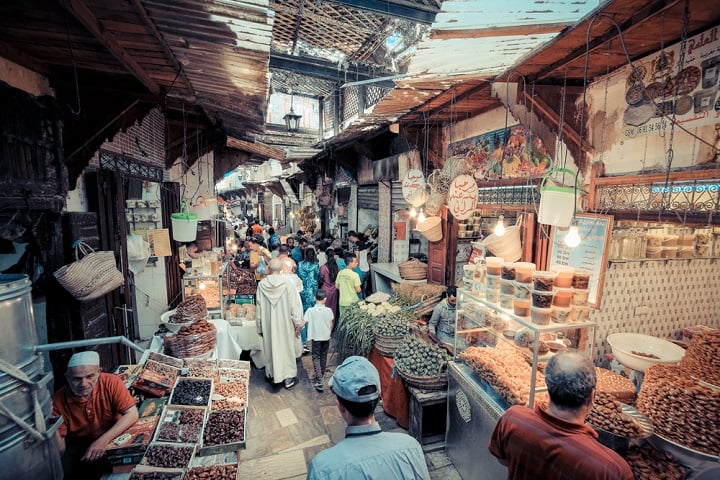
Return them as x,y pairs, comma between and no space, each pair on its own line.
591,254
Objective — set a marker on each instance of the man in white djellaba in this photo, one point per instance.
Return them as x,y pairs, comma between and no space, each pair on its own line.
279,321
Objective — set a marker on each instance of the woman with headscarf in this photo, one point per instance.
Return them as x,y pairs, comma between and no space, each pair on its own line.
328,274
309,272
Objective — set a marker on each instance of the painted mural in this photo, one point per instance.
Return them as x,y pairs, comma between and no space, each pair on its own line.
504,153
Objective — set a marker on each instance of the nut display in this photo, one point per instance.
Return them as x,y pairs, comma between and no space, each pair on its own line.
225,426
191,392
148,475
162,369
607,414
615,385
505,369
234,374
702,358
181,425
168,456
229,395
192,308
193,340
165,359
243,281
648,463
201,368
214,472
238,364
681,409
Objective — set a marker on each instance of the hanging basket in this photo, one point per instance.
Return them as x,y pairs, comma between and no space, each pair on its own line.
434,203
413,269
431,229
184,225
557,202
455,166
91,276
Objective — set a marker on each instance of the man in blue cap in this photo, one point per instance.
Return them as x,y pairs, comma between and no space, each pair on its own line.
366,452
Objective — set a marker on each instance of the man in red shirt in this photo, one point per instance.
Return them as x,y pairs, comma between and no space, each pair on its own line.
556,444
96,408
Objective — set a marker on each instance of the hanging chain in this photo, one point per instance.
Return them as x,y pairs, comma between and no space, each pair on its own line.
680,66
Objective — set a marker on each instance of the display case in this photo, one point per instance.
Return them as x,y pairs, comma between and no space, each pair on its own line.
475,403
480,322
213,286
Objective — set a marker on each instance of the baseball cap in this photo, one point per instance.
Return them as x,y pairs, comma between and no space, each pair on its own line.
84,358
354,374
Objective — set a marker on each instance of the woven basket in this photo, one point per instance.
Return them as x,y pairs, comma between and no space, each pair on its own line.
455,166
91,276
436,382
431,229
434,203
428,304
386,346
413,269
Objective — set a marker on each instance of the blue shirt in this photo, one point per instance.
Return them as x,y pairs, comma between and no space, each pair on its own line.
297,254
369,453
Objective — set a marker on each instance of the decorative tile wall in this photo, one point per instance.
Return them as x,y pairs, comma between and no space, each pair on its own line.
677,294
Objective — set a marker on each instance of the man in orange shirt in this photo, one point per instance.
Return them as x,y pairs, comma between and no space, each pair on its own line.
257,229
96,408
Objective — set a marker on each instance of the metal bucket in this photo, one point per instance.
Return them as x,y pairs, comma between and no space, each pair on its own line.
21,455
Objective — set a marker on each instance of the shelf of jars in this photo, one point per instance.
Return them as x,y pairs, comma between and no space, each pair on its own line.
636,241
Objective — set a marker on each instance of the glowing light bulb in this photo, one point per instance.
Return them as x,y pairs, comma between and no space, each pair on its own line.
572,239
421,217
202,286
499,229
413,212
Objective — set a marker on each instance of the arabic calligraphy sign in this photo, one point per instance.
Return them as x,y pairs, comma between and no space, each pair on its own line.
462,197
413,187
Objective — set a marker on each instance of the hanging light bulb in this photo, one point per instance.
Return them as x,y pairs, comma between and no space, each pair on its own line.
499,229
202,286
421,217
572,239
413,212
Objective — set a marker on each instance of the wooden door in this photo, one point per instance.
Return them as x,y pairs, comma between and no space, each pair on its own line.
438,255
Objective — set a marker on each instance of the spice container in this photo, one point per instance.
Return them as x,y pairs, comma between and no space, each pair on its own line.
524,271
562,297
492,295
564,275
653,252
668,252
543,280
560,314
494,265
541,299
492,281
522,290
686,252
541,316
507,287
579,314
506,301
581,278
580,297
521,307
507,271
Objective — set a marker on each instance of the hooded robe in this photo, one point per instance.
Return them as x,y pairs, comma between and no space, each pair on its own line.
279,312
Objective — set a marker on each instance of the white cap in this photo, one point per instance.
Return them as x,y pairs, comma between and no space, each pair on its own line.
84,358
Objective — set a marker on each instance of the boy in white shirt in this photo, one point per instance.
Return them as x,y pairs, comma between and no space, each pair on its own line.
320,321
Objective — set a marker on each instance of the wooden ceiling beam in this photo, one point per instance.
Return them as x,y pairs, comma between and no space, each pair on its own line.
506,31
546,111
169,54
85,16
637,20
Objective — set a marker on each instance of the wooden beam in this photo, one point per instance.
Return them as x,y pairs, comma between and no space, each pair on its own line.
507,31
86,17
169,54
551,115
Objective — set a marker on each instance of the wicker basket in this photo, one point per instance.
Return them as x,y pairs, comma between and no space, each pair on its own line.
413,269
437,382
431,229
91,275
386,346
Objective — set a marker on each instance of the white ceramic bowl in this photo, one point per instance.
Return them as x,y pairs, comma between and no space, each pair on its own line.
623,344
173,327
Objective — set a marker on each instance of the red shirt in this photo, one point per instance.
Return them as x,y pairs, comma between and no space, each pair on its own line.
257,229
537,445
98,414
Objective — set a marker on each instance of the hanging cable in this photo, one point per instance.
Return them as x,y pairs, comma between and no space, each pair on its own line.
74,111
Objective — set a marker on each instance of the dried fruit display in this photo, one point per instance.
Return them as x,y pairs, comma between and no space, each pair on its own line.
168,456
224,427
213,472
648,463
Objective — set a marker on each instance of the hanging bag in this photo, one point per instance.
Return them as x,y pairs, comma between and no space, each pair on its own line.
91,275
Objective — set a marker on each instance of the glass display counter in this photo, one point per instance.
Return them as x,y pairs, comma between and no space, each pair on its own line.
213,287
476,403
